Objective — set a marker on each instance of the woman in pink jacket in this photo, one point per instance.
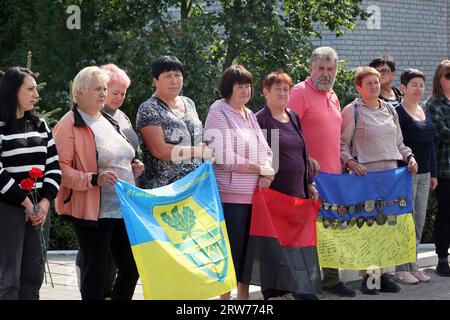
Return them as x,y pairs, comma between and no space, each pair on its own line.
93,154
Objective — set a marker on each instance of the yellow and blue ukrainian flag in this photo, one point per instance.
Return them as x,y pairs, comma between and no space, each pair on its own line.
179,237
365,222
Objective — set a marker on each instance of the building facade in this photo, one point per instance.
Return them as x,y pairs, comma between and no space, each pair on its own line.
415,32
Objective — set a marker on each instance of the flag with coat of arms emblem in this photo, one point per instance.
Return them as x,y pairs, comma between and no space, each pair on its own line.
179,238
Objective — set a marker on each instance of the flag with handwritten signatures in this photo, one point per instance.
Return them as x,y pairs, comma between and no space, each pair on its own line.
365,221
179,238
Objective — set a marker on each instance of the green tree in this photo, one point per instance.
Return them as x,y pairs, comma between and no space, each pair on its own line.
264,35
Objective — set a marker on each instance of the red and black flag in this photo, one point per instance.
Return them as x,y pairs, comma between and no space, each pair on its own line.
282,251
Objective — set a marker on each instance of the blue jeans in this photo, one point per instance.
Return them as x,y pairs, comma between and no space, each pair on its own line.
420,193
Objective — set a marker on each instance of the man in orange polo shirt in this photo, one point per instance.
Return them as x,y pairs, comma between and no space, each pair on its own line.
320,114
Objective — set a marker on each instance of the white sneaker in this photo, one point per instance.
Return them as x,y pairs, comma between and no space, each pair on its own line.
421,276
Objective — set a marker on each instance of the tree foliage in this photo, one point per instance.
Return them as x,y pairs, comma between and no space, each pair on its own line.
264,35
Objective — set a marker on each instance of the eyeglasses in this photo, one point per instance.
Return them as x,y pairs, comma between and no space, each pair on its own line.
447,76
384,70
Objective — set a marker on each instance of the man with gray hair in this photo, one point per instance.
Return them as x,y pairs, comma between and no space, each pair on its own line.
320,114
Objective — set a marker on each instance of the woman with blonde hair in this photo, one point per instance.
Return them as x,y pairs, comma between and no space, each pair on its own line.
93,154
118,84
117,89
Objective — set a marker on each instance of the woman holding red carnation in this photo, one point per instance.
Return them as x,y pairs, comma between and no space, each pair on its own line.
29,181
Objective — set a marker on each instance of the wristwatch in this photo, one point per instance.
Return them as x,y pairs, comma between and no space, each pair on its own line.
94,179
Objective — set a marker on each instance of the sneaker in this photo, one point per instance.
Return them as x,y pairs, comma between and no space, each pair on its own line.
421,276
365,289
341,290
387,285
443,269
305,296
405,277
287,296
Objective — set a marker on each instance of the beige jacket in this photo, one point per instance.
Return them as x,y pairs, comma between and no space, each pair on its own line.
377,135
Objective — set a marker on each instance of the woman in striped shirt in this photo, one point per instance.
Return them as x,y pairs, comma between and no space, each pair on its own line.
25,142
243,160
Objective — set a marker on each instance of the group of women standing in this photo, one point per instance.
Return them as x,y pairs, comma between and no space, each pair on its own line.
96,146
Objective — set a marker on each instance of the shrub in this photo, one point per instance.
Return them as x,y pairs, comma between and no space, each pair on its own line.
62,235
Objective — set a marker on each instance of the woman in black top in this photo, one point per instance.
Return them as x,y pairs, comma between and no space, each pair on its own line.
418,134
26,142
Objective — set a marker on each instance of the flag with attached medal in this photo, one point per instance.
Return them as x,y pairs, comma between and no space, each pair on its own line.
365,221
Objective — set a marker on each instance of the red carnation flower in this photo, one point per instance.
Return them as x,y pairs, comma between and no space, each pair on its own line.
36,173
27,184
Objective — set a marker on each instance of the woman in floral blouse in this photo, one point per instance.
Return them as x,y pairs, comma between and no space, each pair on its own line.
169,127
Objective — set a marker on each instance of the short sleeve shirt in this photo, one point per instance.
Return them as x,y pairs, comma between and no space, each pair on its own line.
320,116
185,131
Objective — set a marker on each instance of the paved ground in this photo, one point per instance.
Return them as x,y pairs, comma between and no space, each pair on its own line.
66,287
437,289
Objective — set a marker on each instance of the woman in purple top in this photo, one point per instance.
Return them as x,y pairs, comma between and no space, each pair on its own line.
294,176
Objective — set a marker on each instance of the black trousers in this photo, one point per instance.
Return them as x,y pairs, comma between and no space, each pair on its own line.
111,273
268,293
442,222
238,217
96,244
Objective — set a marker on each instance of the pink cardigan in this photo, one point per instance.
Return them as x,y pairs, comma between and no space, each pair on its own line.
237,143
75,142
